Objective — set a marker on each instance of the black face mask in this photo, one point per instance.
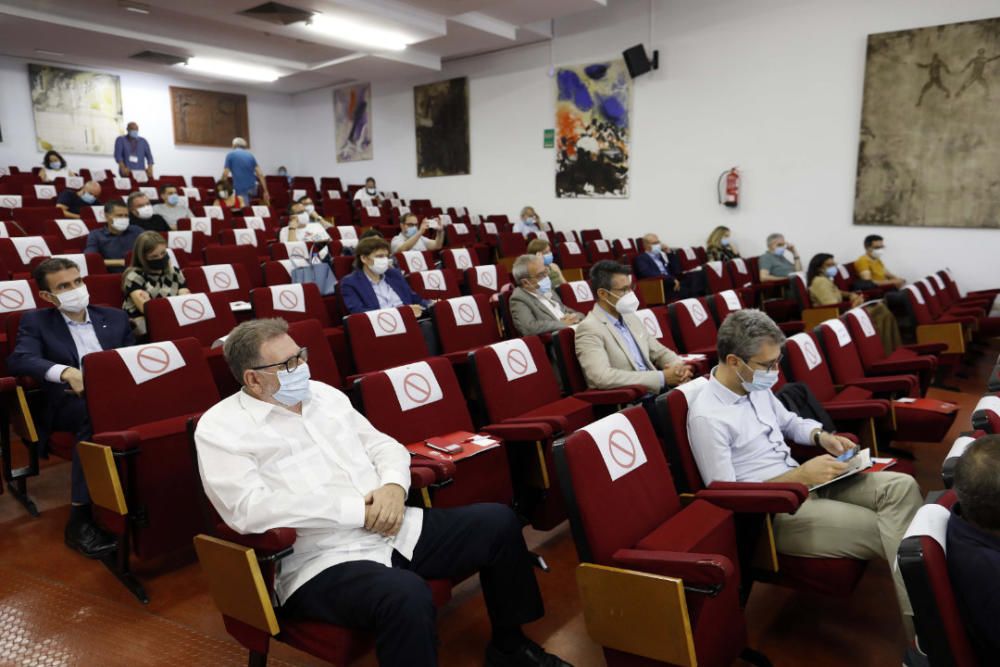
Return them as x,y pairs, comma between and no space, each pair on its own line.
160,264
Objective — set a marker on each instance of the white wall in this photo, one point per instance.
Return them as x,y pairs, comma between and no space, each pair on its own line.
773,86
146,100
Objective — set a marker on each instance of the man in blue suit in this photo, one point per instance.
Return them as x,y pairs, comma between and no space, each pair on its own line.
653,263
374,285
50,345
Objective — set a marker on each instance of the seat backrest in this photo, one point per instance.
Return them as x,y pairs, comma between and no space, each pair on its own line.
105,289
486,279
224,279
385,338
322,365
415,401
465,323
459,258
865,337
948,281
292,302
804,363
617,482
570,255
147,383
206,317
21,295
923,562
742,273
656,321
599,249
717,277
435,284
724,303
692,326
577,295
414,260
688,258
511,244
918,304
89,263
237,254
931,299
459,234
514,376
835,340
16,253
672,412
986,414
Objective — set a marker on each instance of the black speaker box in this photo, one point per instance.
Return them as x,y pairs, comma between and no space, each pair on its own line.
638,62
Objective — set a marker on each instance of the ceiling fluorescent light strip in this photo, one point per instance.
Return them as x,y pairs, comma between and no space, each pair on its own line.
231,70
358,33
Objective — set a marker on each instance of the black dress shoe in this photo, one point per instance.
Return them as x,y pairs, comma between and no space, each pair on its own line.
528,654
88,539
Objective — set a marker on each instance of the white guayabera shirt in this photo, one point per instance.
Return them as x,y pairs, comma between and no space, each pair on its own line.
266,467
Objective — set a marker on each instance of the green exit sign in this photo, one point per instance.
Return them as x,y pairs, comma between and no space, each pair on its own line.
549,139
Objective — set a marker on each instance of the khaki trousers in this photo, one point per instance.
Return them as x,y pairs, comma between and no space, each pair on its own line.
863,517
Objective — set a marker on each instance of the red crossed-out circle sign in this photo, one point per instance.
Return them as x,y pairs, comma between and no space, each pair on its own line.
466,313
153,359
419,264
222,280
417,387
75,229
433,281
582,292
203,226
193,309
463,262
486,278
180,242
650,325
621,448
288,299
517,362
11,299
297,253
34,251
812,354
386,322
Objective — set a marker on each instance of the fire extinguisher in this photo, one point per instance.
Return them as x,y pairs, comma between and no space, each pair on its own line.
730,196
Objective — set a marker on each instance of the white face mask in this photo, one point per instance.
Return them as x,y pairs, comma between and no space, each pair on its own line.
310,208
303,218
74,300
119,224
878,252
628,304
379,265
370,191
144,212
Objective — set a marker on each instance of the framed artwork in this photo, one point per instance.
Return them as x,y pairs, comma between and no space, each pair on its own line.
352,118
928,155
593,129
207,118
441,117
75,111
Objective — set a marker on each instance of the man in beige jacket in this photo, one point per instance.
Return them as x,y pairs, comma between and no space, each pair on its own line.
614,347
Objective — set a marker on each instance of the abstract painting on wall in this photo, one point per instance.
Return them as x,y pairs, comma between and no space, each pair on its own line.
592,130
75,111
207,118
928,154
441,117
352,114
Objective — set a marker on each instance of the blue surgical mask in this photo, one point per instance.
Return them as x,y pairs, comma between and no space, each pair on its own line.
724,241
282,172
545,285
656,248
762,380
547,258
55,164
133,134
173,199
294,385
409,232
87,197
830,271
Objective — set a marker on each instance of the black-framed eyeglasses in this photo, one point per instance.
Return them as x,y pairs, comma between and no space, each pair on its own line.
624,290
773,366
289,364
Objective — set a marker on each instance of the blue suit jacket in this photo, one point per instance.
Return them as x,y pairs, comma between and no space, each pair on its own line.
359,296
43,340
646,267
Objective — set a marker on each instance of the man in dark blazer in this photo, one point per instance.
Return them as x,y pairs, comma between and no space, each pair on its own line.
374,284
50,345
654,263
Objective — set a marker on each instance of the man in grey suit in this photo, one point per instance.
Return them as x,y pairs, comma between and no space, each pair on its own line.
534,307
614,347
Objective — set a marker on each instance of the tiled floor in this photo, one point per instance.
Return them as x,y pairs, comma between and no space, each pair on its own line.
59,609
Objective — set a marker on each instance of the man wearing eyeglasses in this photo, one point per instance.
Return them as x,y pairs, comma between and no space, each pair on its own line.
738,431
286,451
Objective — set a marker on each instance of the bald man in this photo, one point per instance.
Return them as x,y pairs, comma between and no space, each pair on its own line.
654,263
70,202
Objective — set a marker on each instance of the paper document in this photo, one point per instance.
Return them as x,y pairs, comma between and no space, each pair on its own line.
861,461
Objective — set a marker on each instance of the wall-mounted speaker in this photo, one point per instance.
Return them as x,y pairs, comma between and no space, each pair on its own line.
638,62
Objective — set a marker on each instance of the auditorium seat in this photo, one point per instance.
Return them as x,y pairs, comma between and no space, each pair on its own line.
435,283
723,303
575,383
105,289
986,414
958,448
230,280
464,323
577,295
919,360
693,328
599,250
245,255
384,338
571,260
16,253
411,261
486,279
845,365
89,263
460,258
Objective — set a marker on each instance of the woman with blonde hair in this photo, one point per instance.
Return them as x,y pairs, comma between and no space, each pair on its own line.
719,246
149,276
543,249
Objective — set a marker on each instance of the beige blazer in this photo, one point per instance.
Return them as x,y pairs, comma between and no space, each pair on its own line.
531,317
605,359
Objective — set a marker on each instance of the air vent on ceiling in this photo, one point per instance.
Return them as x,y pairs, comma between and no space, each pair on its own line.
277,13
158,58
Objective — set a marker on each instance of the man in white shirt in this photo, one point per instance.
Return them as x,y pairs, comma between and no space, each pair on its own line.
368,192
289,452
738,430
411,235
534,307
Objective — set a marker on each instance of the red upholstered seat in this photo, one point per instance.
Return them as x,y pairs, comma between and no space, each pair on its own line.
986,414
577,295
463,324
693,328
487,279
198,280
245,255
204,324
436,284
574,381
577,413
396,341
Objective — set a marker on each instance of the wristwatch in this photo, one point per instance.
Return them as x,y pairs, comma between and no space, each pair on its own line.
816,436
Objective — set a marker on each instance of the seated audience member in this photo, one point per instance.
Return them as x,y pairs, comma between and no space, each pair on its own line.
374,284
53,167
870,267
368,192
653,263
738,430
543,249
116,238
171,208
371,232
973,544
150,276
720,247
824,292
141,215
51,343
528,222
314,216
283,172
780,260
226,197
362,556
534,307
612,344
411,235
300,227
71,201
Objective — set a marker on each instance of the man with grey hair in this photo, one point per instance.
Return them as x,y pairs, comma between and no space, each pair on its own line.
738,431
534,307
141,215
242,169
780,260
286,451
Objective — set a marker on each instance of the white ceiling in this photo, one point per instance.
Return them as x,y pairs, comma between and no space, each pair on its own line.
101,33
